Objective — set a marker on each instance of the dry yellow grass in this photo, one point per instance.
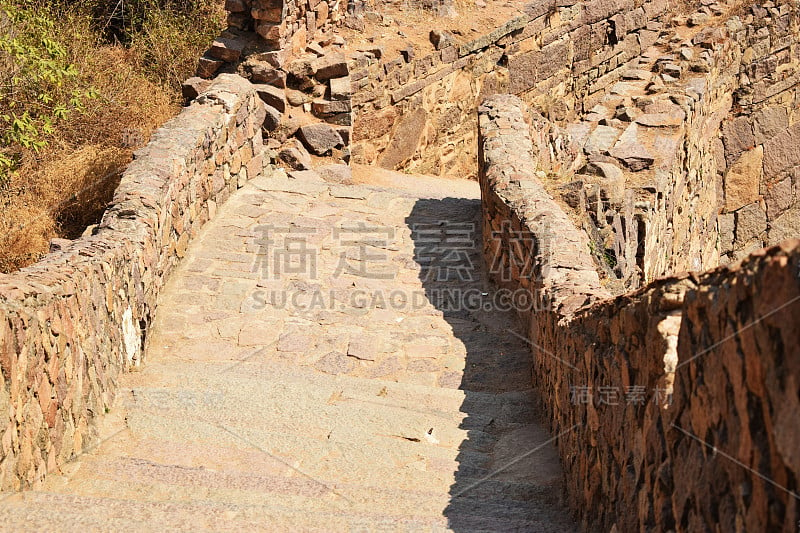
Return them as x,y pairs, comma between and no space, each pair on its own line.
62,189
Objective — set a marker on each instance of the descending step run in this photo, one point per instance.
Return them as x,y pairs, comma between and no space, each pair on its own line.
328,357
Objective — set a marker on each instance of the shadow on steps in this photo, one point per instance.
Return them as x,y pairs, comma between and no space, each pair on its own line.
509,477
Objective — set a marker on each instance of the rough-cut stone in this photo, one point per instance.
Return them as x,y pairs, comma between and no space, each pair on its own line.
779,197
331,65
442,39
601,139
272,96
634,155
336,173
657,120
786,226
374,125
300,68
737,135
322,108
288,127
295,155
263,72
769,123
405,139
782,153
272,118
208,66
751,223
320,138
191,88
743,179
226,49
340,88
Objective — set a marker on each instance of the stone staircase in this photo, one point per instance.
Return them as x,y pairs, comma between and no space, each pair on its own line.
340,408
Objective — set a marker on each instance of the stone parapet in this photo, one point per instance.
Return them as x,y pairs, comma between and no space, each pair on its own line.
72,322
674,407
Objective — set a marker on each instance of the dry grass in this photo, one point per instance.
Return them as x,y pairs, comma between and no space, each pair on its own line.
61,190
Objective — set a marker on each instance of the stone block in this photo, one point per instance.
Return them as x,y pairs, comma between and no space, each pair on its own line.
737,135
601,139
272,33
295,155
340,88
322,108
226,49
332,65
191,88
751,223
779,197
769,123
272,96
405,139
263,72
375,124
786,226
320,138
782,153
272,118
208,66
743,179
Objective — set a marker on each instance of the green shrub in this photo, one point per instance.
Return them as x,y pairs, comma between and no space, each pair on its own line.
39,87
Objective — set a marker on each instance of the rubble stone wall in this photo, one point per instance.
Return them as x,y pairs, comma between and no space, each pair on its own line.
715,195
72,322
708,194
758,161
419,113
672,404
284,24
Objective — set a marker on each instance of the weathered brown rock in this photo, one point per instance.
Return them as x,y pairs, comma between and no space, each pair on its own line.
331,65
782,153
743,179
191,88
751,223
320,138
272,118
340,88
442,39
405,139
207,66
295,155
374,125
263,72
738,136
226,49
272,96
322,108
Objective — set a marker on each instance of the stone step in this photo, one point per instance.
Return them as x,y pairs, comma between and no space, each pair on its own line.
138,480
61,512
222,379
380,460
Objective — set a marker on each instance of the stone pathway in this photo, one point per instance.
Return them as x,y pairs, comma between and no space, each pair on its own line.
299,378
